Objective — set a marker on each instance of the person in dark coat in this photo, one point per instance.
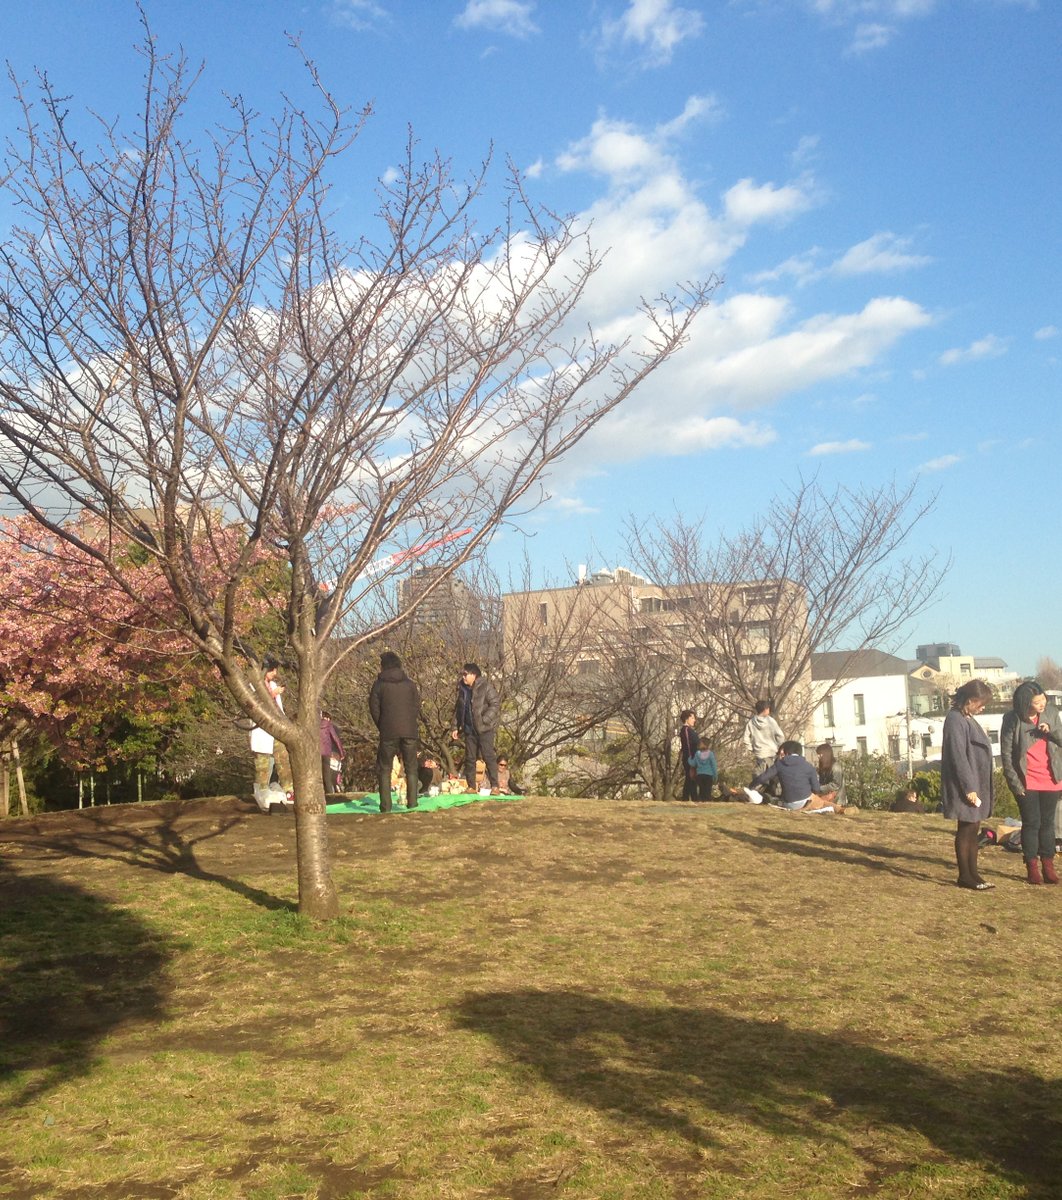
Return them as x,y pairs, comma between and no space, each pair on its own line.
394,705
966,778
689,740
1030,747
476,718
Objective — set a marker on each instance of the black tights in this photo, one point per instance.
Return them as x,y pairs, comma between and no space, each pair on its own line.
966,835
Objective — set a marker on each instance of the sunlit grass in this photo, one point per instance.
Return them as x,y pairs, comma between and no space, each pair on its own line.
543,998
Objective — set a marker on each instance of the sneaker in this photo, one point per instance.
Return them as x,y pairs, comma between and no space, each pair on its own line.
498,792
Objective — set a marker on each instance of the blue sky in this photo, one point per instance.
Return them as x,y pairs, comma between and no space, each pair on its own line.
877,182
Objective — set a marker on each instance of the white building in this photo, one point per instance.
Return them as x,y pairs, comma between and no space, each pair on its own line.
881,708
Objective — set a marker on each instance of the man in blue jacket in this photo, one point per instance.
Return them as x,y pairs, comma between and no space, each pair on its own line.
798,778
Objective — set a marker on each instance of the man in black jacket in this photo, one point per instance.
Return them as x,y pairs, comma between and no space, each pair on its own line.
394,705
476,718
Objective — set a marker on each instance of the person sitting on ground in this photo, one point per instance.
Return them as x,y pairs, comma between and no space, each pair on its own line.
799,781
907,801
429,775
831,776
505,779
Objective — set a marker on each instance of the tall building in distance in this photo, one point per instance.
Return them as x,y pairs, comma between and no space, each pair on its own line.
452,605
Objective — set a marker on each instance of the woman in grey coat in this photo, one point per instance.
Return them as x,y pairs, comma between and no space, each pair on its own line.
966,778
1030,745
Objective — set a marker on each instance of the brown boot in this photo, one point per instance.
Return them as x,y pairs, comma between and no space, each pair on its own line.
1032,871
1048,865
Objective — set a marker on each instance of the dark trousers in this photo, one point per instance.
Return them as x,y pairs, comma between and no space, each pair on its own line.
328,776
406,748
480,745
1038,824
703,787
689,784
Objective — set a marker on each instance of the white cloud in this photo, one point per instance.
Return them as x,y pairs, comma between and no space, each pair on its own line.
852,446
614,148
653,28
1046,333
874,23
942,463
512,17
881,254
748,202
359,14
535,169
801,267
884,253
806,152
750,349
989,346
571,506
870,36
895,10
637,432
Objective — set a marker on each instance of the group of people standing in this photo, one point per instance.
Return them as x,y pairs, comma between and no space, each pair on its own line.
394,705
1030,749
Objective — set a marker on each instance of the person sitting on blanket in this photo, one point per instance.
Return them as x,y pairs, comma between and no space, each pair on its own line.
799,781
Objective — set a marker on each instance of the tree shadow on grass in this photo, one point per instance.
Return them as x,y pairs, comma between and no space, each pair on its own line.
856,854
165,840
72,969
673,1069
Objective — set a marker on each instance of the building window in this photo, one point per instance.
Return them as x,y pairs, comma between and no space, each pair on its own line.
894,747
543,613
861,746
860,710
827,712
965,669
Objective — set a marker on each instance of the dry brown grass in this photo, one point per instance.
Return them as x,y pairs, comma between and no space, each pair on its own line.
540,999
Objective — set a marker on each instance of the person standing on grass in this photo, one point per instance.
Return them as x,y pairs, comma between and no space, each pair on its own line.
268,752
763,737
477,715
689,740
331,753
705,770
1030,747
966,778
394,705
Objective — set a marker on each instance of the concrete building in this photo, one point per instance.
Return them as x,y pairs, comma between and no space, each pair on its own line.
883,706
452,605
758,624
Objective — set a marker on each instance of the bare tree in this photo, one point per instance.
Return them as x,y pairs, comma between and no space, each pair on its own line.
818,571
1049,673
557,641
190,354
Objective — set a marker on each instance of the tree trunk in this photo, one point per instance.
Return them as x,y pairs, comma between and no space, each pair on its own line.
317,893
23,805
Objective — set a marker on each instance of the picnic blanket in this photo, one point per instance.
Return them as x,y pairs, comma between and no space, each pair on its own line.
370,803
